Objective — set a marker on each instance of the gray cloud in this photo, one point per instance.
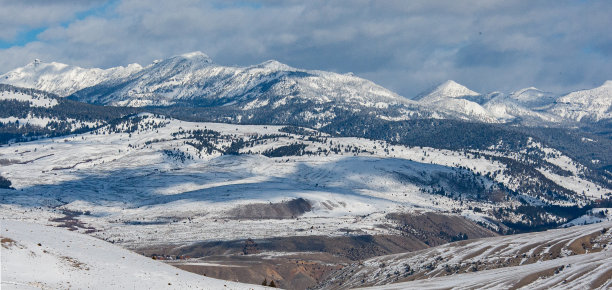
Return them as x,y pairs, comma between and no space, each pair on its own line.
407,46
478,54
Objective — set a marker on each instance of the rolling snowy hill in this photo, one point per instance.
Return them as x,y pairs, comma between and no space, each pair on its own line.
565,258
196,178
35,256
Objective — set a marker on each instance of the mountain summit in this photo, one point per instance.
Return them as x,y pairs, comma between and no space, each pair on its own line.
447,89
196,55
453,100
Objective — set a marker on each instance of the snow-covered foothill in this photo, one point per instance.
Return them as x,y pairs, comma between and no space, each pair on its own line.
570,258
34,101
36,256
131,182
595,215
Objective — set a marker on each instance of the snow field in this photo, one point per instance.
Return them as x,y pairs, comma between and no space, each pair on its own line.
37,256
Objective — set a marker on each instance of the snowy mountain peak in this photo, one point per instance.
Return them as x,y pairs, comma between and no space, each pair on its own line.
453,99
448,89
133,66
192,79
274,65
39,65
453,89
526,90
532,97
191,61
196,55
607,83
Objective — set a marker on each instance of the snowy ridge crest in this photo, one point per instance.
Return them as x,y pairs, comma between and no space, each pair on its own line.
63,79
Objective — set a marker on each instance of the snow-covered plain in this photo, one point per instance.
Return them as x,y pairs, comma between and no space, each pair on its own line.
34,256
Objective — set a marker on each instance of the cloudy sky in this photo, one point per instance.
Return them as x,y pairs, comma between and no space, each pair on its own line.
406,46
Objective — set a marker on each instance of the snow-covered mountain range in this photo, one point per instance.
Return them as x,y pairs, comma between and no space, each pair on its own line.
194,77
531,106
194,80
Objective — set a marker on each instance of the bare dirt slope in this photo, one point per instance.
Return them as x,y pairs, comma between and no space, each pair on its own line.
301,262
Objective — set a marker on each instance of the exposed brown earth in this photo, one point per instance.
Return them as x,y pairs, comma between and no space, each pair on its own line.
7,242
297,271
601,280
535,276
436,229
304,261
